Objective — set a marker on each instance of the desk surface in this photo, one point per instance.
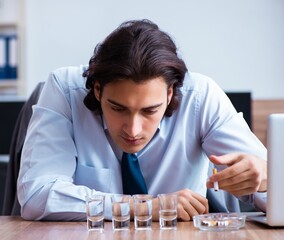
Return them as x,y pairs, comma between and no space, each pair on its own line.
17,228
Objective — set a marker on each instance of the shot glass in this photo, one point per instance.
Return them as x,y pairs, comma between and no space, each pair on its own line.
95,205
168,211
142,211
120,212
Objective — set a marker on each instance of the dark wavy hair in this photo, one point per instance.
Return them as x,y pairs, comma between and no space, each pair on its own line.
137,50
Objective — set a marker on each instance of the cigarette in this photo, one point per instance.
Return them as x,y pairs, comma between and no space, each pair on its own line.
216,185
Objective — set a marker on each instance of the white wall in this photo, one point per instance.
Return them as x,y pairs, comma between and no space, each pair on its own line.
240,43
8,11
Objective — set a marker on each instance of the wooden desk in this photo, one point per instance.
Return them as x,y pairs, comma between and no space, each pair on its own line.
17,228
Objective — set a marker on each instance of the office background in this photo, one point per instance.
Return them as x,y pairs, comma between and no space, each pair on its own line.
237,43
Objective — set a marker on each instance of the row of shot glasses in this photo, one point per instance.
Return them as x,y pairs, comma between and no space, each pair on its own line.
95,208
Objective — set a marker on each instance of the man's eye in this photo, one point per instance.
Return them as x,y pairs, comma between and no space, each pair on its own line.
150,111
117,109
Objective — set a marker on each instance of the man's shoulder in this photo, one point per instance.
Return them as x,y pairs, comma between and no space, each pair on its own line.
196,82
70,76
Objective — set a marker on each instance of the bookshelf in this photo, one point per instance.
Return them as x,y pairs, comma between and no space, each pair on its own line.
9,58
9,36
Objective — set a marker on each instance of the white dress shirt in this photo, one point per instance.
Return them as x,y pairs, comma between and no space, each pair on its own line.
68,151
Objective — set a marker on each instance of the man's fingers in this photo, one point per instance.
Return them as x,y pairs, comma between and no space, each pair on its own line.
191,204
244,174
201,204
229,172
227,159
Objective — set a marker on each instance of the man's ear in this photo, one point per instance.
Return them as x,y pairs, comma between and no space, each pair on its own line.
170,93
97,90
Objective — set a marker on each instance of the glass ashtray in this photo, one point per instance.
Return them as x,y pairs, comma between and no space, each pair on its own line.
219,221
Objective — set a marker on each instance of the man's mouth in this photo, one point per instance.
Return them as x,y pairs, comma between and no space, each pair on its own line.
132,141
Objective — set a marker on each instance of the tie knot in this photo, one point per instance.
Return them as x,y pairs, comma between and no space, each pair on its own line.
129,156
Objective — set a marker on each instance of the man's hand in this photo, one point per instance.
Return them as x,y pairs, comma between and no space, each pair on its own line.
189,205
244,175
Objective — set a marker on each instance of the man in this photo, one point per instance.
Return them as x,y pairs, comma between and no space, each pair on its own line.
135,96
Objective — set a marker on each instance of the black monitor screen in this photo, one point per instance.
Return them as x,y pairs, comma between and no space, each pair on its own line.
9,111
242,103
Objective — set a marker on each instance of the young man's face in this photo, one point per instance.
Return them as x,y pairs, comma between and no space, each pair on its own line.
133,111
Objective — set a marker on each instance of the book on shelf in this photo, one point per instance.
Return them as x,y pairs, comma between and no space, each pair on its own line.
8,56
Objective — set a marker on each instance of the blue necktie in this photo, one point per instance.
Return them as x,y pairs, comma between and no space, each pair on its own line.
132,178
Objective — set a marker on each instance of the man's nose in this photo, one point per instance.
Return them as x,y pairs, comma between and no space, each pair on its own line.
133,126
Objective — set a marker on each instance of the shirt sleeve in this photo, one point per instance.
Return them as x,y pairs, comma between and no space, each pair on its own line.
46,188
223,131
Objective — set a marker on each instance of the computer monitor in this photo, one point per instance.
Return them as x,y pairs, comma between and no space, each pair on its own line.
242,103
9,111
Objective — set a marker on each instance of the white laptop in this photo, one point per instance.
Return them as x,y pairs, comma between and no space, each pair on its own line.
275,188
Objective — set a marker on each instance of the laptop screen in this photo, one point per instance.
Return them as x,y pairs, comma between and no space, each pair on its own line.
275,189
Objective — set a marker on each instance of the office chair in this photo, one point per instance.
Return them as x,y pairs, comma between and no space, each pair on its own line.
11,204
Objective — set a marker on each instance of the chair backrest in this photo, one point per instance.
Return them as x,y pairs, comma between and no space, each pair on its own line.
11,204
